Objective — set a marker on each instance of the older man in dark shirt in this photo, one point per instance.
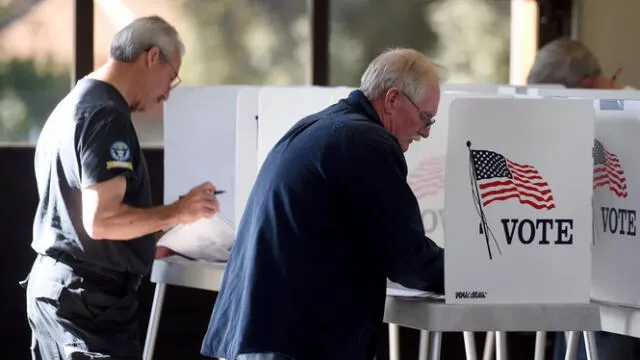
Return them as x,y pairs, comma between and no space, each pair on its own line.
330,218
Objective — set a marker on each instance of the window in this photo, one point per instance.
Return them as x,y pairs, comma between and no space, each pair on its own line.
36,39
470,38
240,42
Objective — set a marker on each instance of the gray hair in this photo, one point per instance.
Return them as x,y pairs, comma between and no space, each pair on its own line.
564,61
407,69
141,35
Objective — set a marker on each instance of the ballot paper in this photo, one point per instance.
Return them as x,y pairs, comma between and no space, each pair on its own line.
397,290
205,239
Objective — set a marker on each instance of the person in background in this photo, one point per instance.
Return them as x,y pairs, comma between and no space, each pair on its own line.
568,62
329,219
94,226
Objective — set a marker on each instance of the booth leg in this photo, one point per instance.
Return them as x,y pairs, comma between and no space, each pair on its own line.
469,345
154,321
436,344
424,345
541,342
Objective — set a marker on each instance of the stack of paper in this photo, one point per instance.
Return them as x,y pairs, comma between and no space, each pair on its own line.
205,239
395,289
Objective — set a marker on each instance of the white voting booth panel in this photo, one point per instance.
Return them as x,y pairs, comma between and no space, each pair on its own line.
247,149
587,93
281,107
518,201
616,260
426,166
204,139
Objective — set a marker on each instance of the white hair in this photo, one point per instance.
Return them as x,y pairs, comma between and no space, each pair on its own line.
406,69
564,61
144,33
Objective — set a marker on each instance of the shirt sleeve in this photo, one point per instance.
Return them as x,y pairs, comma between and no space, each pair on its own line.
390,212
107,148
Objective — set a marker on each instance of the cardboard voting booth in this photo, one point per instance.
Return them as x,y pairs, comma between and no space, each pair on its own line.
203,135
616,170
518,201
426,166
281,107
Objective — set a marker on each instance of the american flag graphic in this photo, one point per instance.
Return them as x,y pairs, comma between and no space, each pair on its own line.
427,179
499,178
607,171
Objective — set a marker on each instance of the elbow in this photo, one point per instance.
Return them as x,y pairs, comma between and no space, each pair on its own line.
94,227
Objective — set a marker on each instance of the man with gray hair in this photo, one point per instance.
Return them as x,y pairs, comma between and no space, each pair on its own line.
94,226
568,62
329,219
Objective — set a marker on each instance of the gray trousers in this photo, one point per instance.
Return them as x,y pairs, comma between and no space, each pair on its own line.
78,314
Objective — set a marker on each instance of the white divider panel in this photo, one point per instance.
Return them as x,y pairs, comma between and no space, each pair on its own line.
247,153
497,88
518,201
588,93
426,164
281,107
616,197
341,92
200,142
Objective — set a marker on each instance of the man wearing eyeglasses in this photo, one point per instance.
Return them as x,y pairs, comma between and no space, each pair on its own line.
329,219
94,225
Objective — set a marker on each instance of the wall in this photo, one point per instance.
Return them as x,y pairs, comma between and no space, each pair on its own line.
611,29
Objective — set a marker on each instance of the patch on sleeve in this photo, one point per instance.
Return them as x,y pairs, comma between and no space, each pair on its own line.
121,155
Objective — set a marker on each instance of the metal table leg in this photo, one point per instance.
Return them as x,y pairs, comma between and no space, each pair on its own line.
469,345
572,345
154,321
590,345
489,346
501,345
423,351
541,342
394,342
436,345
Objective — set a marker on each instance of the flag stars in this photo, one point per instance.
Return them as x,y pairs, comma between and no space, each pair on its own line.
489,164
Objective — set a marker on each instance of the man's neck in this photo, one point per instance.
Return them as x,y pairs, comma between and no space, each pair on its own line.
119,76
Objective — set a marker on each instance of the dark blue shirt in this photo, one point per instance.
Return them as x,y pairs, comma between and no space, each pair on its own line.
329,219
89,139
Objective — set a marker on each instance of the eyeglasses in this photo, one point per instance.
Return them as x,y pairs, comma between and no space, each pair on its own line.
176,80
426,118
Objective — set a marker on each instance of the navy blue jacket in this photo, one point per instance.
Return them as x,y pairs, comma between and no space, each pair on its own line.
329,219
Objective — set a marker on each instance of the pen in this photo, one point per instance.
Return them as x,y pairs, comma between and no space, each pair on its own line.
216,192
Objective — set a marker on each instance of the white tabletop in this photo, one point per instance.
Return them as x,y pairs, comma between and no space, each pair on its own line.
435,315
430,314
620,319
176,270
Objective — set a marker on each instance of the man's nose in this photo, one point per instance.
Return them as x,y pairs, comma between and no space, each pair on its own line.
424,132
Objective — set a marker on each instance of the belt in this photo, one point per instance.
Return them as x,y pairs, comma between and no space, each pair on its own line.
132,281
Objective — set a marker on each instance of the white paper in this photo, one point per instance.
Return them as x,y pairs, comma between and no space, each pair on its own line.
205,239
395,289
412,293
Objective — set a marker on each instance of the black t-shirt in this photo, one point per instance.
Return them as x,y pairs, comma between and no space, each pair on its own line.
88,139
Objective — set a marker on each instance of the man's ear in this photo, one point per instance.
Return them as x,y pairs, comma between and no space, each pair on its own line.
153,56
390,99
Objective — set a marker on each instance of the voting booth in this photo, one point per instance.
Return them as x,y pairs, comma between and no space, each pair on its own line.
426,164
518,201
616,170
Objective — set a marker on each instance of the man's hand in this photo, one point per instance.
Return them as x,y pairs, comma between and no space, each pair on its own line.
198,203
